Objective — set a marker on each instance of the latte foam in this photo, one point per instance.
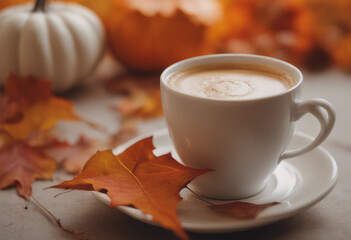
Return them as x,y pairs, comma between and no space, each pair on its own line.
230,81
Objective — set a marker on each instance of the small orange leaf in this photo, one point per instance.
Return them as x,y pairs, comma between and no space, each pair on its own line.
40,108
142,95
141,104
21,164
41,116
242,210
137,177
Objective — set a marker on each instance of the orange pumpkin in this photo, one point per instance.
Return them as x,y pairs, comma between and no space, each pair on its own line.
149,35
342,52
101,8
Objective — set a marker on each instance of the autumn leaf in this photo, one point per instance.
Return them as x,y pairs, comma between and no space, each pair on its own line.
137,177
242,210
141,104
142,96
28,111
73,156
41,110
21,164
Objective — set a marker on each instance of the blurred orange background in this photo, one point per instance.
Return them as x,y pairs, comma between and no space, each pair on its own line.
148,35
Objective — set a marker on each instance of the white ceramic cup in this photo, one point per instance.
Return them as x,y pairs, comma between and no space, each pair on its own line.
242,140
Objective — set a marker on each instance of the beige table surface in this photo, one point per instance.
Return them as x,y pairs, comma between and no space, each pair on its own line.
81,211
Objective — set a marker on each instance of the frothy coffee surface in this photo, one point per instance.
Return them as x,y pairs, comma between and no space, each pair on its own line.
230,81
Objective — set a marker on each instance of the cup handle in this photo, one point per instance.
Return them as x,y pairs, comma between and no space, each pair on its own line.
317,107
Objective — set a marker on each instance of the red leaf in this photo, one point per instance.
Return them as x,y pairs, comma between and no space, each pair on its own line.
9,111
242,210
21,164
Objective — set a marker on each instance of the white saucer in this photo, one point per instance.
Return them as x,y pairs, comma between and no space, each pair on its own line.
297,184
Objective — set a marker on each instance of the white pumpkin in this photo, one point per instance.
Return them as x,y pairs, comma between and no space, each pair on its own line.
62,42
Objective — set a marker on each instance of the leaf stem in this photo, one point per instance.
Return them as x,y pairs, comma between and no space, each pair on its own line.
57,220
63,193
40,5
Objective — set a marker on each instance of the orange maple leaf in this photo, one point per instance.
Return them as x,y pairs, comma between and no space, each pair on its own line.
242,210
137,177
21,164
41,110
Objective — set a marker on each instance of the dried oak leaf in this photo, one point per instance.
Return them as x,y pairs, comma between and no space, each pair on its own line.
242,210
21,164
137,177
41,110
73,156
